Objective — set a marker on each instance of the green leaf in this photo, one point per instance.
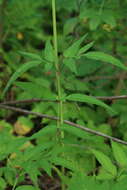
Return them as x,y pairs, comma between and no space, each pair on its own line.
103,174
25,67
69,25
67,163
70,63
44,132
49,52
119,154
105,162
2,183
90,100
31,55
74,48
33,172
109,18
26,187
95,55
48,66
94,22
85,48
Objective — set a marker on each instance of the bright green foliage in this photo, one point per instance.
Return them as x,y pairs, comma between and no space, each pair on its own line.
73,50
119,155
2,183
26,187
105,162
91,62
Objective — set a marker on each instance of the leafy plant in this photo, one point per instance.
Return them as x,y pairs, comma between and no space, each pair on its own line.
57,75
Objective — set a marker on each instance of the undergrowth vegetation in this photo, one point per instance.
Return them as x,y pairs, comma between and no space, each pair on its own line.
63,99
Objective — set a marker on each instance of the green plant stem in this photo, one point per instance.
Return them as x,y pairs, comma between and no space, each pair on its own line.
60,104
15,183
58,80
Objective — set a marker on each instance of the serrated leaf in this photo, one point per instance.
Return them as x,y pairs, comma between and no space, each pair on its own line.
31,55
25,67
74,48
85,48
105,162
49,52
95,55
119,154
90,100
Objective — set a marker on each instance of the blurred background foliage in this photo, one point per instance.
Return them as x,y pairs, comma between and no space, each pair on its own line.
26,26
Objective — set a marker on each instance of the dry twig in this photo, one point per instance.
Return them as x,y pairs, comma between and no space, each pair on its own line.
65,121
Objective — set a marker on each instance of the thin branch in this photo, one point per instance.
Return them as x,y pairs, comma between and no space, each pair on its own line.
33,100
65,121
14,102
111,97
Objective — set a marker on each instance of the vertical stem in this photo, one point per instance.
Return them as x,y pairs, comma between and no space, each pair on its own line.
15,183
58,80
60,106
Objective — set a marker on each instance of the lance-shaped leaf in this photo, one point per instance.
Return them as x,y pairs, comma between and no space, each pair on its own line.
25,67
100,56
32,56
90,100
119,154
49,52
105,162
26,187
85,48
70,63
74,48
